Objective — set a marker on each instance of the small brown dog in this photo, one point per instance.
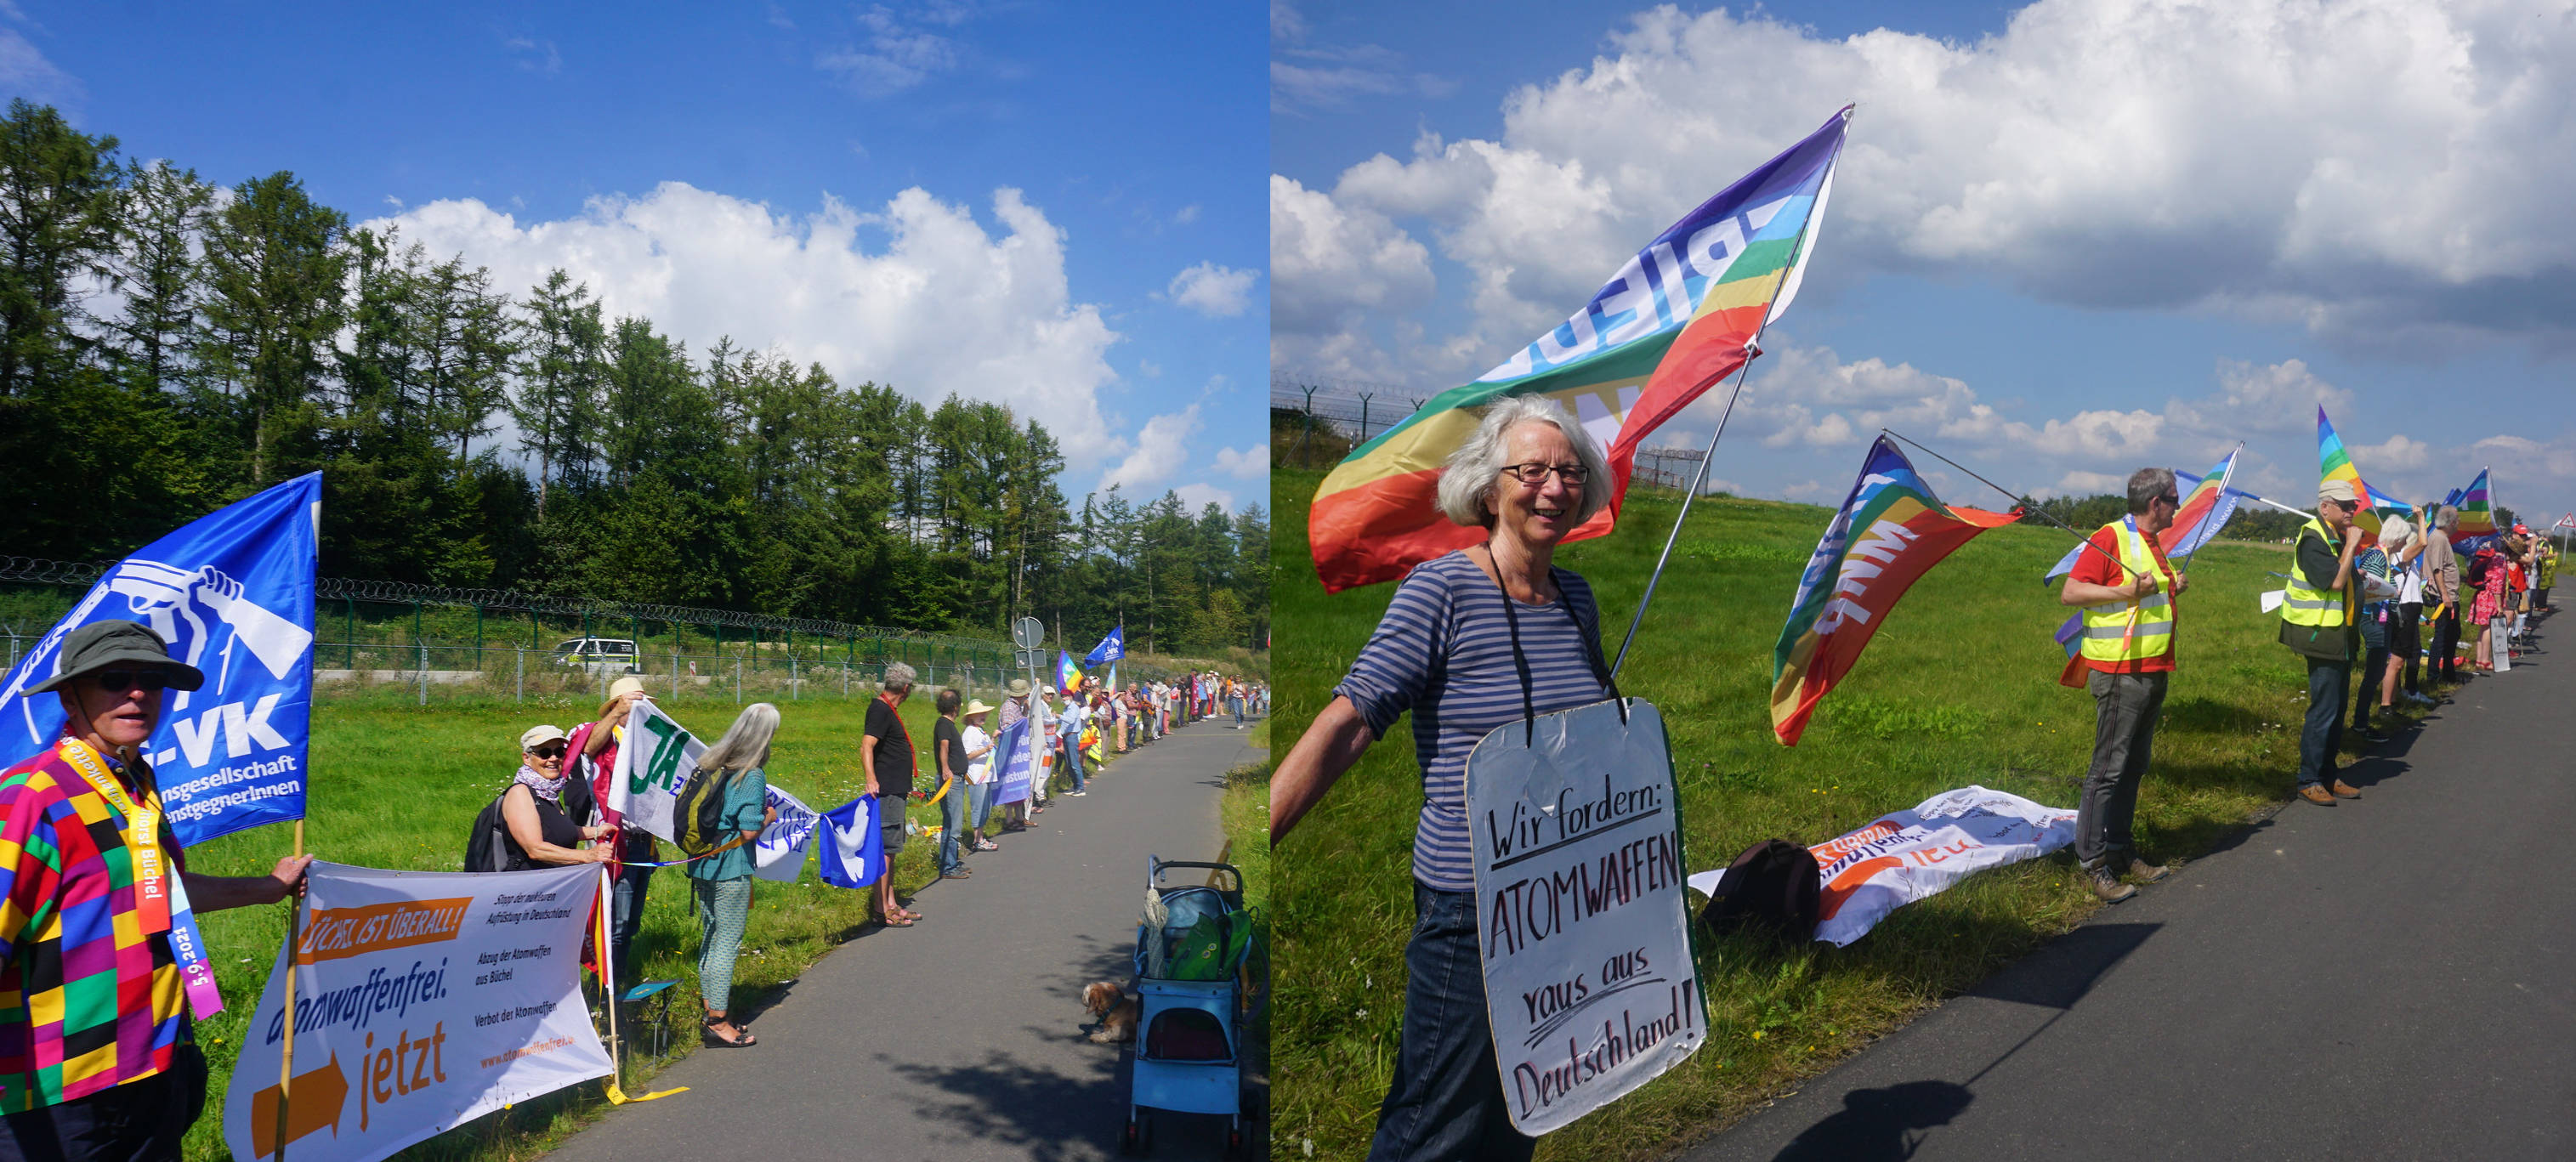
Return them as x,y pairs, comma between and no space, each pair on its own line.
1117,1011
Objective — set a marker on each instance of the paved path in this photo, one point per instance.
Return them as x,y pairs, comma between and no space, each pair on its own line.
2388,978
959,1038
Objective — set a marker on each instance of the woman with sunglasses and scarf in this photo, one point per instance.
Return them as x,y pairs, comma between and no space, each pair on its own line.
1471,641
535,829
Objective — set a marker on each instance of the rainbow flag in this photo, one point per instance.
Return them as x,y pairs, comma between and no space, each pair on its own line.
1680,316
2205,510
1851,584
2333,463
2477,511
1068,677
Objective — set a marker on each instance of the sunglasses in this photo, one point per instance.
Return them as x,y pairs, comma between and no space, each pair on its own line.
120,681
552,750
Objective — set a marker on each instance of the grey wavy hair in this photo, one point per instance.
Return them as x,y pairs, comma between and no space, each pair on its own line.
1468,478
2447,519
745,743
899,676
2146,484
2395,534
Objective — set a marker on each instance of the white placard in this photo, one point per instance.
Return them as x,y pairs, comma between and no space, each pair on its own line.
423,1000
1581,920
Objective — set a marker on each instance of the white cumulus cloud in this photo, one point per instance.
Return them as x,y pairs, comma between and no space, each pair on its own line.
1247,464
1195,497
1212,290
1161,448
940,305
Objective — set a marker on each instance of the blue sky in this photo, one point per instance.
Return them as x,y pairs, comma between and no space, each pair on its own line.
743,170
2069,239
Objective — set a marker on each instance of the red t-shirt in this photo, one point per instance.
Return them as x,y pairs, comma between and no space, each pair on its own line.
2101,569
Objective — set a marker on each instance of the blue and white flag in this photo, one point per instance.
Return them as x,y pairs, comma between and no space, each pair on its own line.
1019,760
851,853
232,595
1110,649
779,853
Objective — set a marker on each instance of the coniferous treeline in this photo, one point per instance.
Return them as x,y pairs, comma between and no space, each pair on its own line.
167,345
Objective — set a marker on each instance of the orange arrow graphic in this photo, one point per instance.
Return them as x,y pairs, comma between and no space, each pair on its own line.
316,1103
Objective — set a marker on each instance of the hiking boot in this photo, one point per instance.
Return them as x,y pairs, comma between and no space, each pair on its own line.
2371,734
2107,886
2317,795
2147,873
2344,790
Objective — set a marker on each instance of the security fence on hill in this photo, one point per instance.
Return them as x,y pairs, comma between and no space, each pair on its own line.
396,642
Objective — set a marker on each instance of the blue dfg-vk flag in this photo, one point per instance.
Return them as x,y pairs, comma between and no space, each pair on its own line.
232,594
853,854
1110,649
1019,760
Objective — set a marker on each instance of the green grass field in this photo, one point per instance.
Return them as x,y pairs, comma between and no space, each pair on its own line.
1958,687
398,787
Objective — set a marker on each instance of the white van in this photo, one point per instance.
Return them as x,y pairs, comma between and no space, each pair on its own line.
599,655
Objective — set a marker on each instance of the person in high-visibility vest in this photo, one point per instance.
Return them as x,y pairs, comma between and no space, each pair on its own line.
2320,621
2548,575
2126,588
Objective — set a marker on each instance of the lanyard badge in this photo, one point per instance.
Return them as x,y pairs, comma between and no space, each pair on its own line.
160,899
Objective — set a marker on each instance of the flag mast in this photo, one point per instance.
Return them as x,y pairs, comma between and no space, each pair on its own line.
1752,351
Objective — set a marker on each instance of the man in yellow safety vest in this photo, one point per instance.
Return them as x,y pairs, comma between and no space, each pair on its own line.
2319,622
2126,588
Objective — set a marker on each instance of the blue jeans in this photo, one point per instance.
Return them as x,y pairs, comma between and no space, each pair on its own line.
979,805
1073,760
952,825
1237,704
1446,1101
2321,736
625,916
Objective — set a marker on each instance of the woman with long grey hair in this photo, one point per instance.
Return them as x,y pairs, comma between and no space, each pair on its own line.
1471,641
722,878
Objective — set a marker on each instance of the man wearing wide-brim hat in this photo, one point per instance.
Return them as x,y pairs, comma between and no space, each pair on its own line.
2320,621
87,913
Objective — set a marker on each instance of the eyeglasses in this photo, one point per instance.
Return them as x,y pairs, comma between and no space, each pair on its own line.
550,751
120,681
1536,473
2172,499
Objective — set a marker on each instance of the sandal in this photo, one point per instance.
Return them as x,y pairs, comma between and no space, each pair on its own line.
742,1038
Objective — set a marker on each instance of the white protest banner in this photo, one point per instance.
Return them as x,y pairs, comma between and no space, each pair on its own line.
1582,921
423,1000
1905,856
651,765
779,853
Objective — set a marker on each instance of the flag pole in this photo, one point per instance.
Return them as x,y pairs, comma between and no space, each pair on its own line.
286,1048
1752,351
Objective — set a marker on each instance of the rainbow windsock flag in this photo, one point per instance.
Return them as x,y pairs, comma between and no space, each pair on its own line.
1068,676
1852,581
2205,509
2477,511
1680,316
2333,463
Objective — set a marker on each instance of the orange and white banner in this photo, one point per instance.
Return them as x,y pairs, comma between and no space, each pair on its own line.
423,1000
1905,856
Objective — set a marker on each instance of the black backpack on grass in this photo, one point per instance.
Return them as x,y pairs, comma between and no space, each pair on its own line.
1775,885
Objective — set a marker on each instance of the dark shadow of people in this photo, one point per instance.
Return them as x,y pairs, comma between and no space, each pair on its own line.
1876,1123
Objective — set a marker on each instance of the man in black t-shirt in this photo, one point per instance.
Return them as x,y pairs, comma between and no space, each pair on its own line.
948,743
886,754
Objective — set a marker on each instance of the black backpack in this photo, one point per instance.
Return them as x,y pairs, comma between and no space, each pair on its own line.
1774,885
697,814
2478,569
487,849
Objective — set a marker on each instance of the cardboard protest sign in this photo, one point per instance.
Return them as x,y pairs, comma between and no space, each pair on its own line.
1583,926
423,1000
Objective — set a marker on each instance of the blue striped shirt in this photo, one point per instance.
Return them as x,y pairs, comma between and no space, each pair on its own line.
1444,652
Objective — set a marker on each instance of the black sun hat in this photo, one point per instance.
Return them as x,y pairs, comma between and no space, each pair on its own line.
104,645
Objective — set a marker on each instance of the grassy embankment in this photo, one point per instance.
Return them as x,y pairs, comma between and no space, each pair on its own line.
1958,687
1246,809
398,787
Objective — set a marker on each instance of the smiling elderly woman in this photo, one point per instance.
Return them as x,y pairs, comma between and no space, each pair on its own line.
1471,641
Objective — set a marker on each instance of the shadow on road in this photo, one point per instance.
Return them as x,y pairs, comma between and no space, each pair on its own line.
1874,1123
2062,971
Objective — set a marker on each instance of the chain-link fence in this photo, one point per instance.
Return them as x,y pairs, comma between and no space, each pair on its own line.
402,643
1319,419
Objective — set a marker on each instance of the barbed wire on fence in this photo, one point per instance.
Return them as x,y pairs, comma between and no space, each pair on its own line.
39,570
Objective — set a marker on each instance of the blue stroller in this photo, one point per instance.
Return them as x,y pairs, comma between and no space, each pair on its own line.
1189,1028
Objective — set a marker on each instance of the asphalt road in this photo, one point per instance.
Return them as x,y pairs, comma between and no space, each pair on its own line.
2388,978
960,1038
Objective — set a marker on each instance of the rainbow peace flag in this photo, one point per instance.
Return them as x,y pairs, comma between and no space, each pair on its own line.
1851,583
1680,316
2205,509
2477,511
2333,463
1068,677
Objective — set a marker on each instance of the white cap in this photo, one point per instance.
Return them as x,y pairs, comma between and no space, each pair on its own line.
538,736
